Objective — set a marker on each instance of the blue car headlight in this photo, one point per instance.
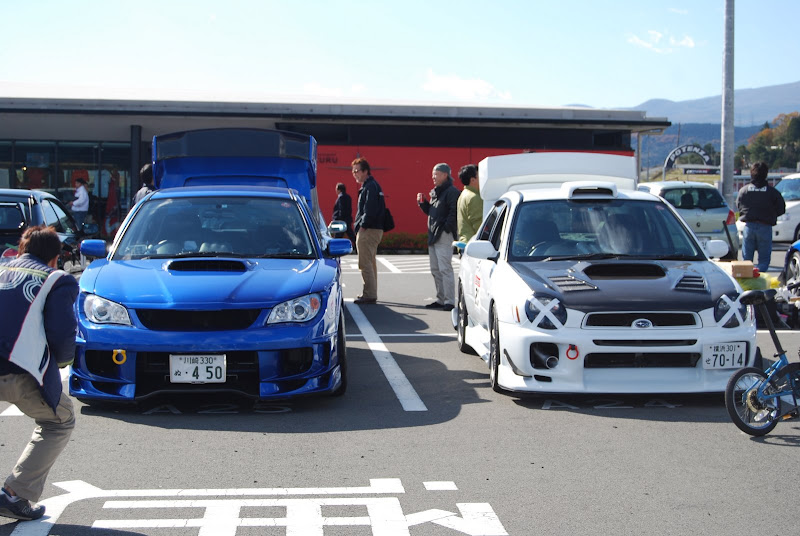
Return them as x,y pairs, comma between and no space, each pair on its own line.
730,312
549,310
102,311
300,309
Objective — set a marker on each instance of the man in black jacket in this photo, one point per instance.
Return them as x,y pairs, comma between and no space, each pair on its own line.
369,229
343,211
37,337
442,211
759,206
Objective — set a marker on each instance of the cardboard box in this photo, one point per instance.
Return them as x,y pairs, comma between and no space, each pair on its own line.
742,268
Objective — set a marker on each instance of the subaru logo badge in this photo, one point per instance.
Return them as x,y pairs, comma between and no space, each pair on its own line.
642,323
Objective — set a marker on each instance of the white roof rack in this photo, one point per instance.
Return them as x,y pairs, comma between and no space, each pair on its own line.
499,174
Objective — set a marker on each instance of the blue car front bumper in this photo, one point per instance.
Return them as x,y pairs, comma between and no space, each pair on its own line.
127,363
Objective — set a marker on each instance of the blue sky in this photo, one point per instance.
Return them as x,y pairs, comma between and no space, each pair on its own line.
610,54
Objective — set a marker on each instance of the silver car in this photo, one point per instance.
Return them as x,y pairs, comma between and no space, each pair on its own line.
703,208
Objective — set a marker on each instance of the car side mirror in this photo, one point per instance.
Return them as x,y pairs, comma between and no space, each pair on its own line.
337,226
716,248
338,247
481,249
94,248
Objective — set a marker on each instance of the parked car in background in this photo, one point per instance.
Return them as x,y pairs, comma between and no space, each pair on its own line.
703,208
20,209
576,282
787,229
223,280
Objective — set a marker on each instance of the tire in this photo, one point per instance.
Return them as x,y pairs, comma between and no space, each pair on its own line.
341,349
741,410
793,272
796,234
494,352
461,325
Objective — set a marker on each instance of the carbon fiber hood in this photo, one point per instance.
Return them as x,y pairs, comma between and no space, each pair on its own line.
629,285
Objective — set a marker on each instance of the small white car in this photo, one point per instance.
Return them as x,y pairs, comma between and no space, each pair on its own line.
578,283
703,208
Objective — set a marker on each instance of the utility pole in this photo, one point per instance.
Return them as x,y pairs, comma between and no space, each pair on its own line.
727,149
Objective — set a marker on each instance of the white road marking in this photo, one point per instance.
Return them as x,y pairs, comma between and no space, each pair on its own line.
303,516
402,388
384,335
389,265
440,486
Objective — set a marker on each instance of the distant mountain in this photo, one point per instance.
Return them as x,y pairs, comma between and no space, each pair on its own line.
752,107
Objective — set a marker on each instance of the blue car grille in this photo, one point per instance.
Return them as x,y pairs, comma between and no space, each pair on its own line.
224,320
152,374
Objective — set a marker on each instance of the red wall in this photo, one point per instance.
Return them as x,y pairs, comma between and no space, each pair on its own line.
401,172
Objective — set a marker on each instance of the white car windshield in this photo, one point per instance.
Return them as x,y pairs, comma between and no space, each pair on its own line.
789,189
216,226
563,229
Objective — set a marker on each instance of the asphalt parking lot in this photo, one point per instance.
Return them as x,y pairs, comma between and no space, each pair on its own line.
422,446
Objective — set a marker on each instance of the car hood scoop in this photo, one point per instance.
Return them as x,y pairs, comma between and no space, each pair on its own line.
625,270
207,265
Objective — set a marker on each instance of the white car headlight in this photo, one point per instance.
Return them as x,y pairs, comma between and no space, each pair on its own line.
297,310
102,311
729,309
549,311
784,217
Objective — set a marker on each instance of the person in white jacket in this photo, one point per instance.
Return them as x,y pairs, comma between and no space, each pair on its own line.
80,205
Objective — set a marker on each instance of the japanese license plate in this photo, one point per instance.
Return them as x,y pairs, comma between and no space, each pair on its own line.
197,368
724,355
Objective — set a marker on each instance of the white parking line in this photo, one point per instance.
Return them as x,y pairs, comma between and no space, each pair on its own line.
402,388
389,265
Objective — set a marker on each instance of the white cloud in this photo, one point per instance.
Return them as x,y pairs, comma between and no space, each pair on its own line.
653,42
467,89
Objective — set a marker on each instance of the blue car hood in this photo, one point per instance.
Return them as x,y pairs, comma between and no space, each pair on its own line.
160,283
657,286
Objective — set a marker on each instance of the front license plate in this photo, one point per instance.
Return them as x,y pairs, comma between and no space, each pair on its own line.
197,368
724,355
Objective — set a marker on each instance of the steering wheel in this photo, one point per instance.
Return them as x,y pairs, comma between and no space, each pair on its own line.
542,247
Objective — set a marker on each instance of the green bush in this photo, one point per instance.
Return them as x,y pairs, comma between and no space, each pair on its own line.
394,241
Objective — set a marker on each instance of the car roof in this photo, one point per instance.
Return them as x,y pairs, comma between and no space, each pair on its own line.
793,176
669,185
234,190
22,194
563,192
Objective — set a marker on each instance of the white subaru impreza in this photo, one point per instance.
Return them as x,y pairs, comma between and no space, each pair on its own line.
577,283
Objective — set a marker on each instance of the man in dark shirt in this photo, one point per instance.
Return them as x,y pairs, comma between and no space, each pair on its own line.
343,211
442,211
369,229
759,206
37,337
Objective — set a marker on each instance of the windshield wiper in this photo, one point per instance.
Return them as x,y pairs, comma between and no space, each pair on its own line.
286,255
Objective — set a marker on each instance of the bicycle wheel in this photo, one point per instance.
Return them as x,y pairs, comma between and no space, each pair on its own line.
749,413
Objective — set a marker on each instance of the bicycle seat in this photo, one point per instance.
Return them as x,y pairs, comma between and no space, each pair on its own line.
757,297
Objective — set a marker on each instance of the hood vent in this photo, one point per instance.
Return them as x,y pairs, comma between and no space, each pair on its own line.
691,282
566,283
207,265
621,270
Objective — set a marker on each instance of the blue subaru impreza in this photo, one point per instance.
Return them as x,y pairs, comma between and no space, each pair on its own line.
222,280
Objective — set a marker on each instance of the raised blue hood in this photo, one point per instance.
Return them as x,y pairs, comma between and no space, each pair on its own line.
152,284
237,156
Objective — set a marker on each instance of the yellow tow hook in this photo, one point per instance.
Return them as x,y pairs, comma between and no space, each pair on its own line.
119,357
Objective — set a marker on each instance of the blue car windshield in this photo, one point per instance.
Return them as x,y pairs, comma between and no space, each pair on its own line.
593,229
251,227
